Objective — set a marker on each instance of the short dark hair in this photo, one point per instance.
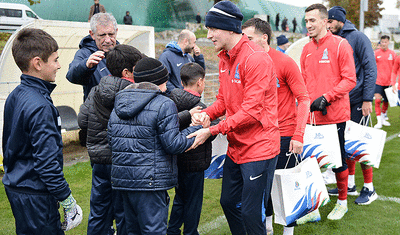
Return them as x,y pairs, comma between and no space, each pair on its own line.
30,43
122,57
385,37
191,73
260,26
323,12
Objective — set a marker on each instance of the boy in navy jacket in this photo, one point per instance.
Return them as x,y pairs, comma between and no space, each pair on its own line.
93,117
188,199
33,162
144,137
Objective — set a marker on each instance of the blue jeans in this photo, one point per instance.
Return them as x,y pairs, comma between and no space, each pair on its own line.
188,201
105,203
243,187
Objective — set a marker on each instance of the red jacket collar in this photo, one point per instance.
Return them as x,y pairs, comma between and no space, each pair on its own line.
192,92
323,39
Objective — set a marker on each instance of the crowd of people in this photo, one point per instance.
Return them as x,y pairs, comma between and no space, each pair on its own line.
148,131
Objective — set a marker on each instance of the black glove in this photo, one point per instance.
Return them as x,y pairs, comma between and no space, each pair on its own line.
320,105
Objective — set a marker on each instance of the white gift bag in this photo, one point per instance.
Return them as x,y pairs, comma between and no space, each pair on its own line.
298,191
322,142
363,143
393,98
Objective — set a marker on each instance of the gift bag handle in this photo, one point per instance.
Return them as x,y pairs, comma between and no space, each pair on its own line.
312,119
290,155
365,119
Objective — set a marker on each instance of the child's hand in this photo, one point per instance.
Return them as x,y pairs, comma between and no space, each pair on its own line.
201,119
194,110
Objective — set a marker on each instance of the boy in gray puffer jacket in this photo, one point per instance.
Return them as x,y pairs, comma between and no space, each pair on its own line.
144,137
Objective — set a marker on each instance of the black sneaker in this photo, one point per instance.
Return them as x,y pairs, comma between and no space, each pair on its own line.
350,191
366,197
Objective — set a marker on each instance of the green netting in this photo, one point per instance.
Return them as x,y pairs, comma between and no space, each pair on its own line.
161,14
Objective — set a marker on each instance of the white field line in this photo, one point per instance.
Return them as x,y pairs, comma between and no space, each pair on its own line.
206,228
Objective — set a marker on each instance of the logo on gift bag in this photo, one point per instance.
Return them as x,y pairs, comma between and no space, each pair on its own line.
296,186
318,136
308,174
367,136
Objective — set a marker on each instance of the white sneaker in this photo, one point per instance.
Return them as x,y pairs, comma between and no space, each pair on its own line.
379,124
386,117
329,176
338,212
384,122
72,218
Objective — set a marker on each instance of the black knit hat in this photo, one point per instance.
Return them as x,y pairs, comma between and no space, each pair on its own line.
337,13
225,15
150,70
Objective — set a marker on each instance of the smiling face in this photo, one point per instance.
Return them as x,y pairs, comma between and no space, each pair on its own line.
335,26
315,24
220,38
49,69
105,37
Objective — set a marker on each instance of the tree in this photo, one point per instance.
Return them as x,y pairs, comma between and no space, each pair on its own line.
352,7
216,1
398,4
31,2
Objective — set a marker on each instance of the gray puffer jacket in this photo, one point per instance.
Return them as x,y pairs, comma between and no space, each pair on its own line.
94,115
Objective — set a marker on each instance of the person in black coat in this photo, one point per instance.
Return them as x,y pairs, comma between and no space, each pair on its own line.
277,22
294,22
188,199
127,19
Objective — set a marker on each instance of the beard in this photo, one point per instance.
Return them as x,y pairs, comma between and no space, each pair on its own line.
187,50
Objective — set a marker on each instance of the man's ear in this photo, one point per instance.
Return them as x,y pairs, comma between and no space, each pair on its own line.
265,39
91,34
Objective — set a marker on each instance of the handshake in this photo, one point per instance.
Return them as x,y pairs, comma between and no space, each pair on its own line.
72,213
203,134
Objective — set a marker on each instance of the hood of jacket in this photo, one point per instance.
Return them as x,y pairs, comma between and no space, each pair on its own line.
131,101
184,100
89,43
174,47
348,27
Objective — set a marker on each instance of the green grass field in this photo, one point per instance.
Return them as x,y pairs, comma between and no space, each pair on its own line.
380,217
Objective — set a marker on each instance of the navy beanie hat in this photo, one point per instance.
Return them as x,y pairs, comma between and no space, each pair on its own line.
226,16
150,70
282,40
337,13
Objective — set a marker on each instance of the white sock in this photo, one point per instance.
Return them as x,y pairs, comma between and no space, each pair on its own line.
342,202
351,181
369,186
288,230
268,223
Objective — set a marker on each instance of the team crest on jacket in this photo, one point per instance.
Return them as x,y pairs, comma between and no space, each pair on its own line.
325,57
237,76
390,57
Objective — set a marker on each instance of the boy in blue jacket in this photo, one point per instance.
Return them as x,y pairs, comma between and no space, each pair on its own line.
188,198
105,204
144,137
32,145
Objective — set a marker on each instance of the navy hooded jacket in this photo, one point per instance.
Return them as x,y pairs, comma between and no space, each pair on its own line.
173,58
144,136
78,73
32,143
365,63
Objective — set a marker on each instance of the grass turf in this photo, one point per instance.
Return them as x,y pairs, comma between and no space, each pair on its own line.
380,217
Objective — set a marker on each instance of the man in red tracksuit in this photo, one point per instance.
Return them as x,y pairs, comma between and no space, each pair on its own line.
248,98
328,69
384,62
395,75
292,119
